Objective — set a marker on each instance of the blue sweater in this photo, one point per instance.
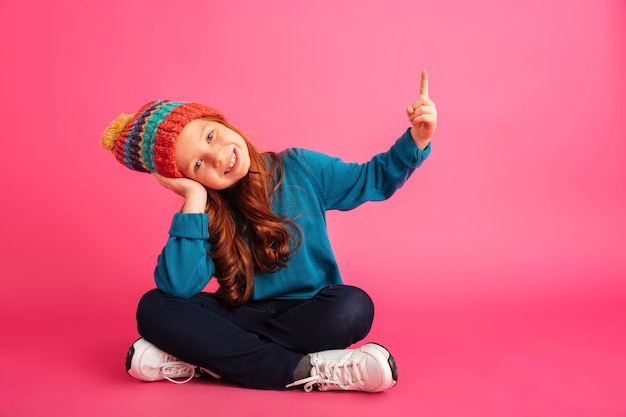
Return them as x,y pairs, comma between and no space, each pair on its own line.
313,183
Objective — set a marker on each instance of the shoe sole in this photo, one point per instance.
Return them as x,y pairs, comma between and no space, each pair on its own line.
134,355
390,360
129,356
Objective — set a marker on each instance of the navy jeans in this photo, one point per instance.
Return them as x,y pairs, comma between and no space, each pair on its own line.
260,344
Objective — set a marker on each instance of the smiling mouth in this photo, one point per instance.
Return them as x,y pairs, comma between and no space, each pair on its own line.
232,162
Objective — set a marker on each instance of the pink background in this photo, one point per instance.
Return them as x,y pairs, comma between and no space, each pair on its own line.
497,271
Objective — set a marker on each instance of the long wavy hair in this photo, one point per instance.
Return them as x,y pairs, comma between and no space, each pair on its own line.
245,236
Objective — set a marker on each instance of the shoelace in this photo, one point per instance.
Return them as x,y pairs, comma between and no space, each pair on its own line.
172,369
343,374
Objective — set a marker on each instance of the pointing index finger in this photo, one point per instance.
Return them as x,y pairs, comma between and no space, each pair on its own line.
424,84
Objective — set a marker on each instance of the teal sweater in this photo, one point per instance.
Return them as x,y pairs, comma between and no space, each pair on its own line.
313,183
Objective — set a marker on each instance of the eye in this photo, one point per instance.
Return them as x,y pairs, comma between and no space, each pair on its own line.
197,165
209,137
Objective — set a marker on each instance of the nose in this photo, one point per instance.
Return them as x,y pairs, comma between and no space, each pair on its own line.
219,156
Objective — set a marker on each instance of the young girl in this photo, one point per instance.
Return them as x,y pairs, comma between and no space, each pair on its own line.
282,316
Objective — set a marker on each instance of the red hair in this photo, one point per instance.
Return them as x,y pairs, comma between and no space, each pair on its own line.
246,237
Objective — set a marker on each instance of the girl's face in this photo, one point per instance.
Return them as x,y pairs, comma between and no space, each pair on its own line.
212,154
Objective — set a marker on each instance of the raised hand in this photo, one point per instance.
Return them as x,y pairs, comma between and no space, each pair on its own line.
422,115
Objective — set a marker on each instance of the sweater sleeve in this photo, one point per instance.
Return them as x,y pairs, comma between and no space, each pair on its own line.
344,186
184,268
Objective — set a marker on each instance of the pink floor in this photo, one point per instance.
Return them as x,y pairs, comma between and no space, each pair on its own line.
526,357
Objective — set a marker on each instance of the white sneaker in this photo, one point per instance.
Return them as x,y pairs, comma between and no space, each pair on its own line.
146,362
370,368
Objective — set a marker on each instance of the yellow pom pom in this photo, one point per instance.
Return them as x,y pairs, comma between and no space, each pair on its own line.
111,133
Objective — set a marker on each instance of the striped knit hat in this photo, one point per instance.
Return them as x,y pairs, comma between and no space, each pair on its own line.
146,140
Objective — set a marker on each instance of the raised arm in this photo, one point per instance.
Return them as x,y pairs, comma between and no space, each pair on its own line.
422,115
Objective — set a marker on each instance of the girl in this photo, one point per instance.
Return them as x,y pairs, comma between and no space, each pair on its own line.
282,316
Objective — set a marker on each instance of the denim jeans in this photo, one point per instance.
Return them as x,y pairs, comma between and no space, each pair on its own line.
260,344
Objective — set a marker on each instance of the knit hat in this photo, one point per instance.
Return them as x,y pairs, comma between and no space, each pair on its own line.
146,140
